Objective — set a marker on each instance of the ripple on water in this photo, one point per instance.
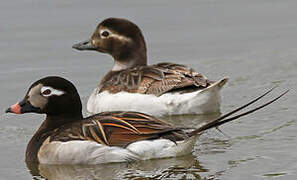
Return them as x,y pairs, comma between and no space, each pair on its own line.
186,167
274,174
14,134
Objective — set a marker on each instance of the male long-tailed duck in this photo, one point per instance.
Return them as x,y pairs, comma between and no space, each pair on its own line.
65,137
132,84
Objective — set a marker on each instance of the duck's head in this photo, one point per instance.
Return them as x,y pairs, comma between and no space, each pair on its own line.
121,39
53,96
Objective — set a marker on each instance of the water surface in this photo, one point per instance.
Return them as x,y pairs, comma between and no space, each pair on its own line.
253,42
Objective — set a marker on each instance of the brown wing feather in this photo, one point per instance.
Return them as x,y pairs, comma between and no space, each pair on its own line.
118,129
156,79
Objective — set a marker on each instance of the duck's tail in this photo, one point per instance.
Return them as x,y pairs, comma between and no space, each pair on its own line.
207,100
226,118
218,84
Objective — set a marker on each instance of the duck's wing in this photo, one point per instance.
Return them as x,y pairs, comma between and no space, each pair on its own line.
118,129
156,79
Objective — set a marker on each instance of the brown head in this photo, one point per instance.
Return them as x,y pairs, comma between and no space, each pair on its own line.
121,39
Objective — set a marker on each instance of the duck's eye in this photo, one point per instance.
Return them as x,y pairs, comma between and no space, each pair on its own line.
104,33
47,92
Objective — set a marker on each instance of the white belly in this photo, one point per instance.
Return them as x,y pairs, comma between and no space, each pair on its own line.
87,152
200,102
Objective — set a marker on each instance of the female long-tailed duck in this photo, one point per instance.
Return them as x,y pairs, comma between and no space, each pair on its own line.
132,84
65,137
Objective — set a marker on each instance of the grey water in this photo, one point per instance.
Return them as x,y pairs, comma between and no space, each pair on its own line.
253,42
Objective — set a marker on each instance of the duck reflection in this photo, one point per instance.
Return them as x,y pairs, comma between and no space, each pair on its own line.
185,167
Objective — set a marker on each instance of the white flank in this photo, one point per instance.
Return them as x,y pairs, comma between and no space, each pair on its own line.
87,152
203,101
161,148
82,152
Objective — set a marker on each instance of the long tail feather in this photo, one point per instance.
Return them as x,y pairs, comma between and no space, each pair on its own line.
222,120
244,106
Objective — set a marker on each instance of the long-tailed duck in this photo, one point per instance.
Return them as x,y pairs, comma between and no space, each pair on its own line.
132,84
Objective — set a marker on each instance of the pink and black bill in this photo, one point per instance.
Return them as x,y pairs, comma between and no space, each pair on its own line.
22,107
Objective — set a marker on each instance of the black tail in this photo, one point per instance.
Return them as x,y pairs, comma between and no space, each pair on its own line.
222,120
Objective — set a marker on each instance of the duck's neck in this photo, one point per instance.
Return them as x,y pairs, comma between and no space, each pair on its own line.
44,131
121,65
131,57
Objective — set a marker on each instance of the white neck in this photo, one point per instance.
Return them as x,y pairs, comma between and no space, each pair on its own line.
117,66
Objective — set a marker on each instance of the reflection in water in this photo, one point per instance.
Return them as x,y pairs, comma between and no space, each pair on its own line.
213,146
186,167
